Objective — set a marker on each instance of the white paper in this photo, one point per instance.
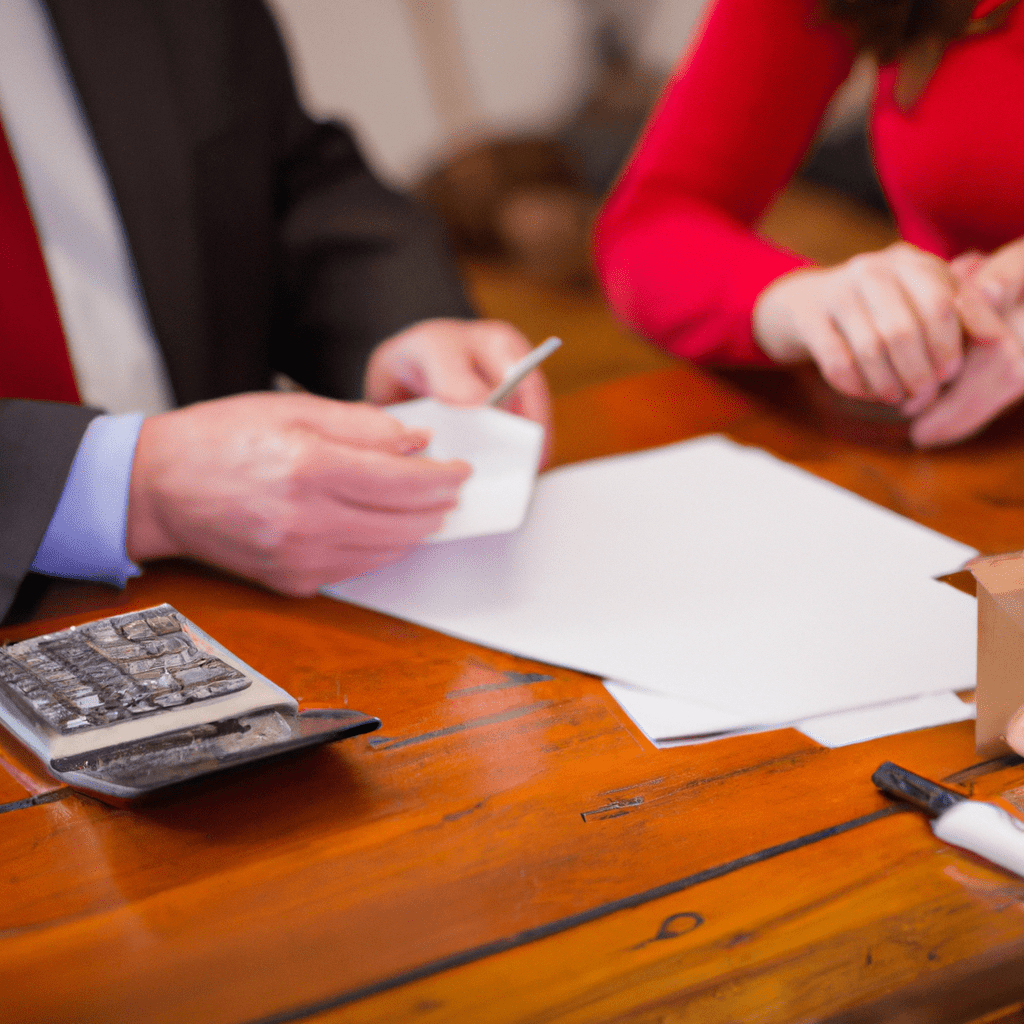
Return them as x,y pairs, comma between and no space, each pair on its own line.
860,724
504,451
707,571
671,722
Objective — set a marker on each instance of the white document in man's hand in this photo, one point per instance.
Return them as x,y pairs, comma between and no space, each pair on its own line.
504,451
706,570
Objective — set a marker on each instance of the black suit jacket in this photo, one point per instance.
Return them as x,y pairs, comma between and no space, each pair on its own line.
262,242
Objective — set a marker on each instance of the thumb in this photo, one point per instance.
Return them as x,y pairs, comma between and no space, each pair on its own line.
982,319
966,265
1001,277
457,376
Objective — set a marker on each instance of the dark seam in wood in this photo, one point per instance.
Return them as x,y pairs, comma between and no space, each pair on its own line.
512,679
35,801
390,743
563,924
976,771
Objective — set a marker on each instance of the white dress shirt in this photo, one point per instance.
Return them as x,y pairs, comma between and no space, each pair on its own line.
117,362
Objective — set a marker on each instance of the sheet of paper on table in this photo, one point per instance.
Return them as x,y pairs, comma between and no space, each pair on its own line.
707,571
669,721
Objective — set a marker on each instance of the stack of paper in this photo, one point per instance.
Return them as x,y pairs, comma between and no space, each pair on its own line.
668,721
719,581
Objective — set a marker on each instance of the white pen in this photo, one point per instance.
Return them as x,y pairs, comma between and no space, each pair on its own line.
982,828
517,371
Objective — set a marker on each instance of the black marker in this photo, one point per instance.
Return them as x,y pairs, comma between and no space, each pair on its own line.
982,828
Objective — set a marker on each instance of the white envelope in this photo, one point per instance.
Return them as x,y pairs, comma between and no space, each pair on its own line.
504,451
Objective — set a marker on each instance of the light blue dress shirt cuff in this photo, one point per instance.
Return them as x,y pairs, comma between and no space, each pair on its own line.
86,536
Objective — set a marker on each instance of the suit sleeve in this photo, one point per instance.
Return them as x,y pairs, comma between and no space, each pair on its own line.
674,245
38,442
361,261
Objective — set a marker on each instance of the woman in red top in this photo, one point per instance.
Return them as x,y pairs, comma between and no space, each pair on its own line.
679,259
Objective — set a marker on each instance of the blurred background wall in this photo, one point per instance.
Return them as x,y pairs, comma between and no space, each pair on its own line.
415,77
512,117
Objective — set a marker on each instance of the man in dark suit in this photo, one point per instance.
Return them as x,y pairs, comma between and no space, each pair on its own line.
262,245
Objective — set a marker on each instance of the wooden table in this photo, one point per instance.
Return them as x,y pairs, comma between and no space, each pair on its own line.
509,847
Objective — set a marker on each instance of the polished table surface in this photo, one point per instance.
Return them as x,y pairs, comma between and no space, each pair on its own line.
509,847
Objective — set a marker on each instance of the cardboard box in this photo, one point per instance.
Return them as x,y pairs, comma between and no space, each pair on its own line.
1000,692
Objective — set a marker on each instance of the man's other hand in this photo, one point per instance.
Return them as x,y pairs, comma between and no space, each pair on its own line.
455,361
293,491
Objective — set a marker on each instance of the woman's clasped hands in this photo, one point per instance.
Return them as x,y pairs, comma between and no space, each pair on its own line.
942,341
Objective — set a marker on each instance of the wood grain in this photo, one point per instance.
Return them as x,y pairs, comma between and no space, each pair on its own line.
509,847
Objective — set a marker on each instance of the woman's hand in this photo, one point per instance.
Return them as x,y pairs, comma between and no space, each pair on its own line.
991,305
882,326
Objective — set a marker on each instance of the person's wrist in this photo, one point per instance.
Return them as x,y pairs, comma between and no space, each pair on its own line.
146,537
771,319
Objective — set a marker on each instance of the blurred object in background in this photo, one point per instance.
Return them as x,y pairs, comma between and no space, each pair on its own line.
601,132
528,200
521,201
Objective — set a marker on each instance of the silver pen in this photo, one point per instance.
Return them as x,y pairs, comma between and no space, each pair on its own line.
517,371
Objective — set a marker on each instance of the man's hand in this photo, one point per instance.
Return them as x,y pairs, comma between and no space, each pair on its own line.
456,361
882,326
991,306
293,491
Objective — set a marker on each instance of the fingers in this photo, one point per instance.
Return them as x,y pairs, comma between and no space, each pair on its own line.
980,318
828,345
495,348
989,305
930,291
913,341
376,480
355,424
436,358
531,399
894,312
260,485
992,379
1001,277
855,319
464,374
456,361
499,347
313,529
964,266
357,510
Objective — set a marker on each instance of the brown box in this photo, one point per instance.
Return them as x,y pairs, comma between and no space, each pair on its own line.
1000,692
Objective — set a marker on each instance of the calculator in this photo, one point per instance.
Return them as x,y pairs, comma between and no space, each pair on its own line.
130,704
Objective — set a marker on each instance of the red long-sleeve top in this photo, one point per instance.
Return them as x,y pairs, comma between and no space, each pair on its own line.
674,244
